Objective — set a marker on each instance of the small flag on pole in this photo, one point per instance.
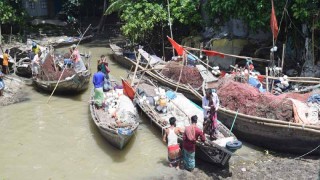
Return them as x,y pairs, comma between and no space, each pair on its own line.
176,46
273,22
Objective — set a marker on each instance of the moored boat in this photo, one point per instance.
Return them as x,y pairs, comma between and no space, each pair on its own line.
119,121
212,151
127,58
54,75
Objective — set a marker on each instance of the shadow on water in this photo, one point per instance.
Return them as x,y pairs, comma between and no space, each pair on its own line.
117,155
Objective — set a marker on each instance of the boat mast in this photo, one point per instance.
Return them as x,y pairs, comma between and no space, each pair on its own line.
170,25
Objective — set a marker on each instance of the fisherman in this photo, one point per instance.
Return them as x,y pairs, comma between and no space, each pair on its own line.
210,95
75,56
36,64
2,85
213,121
190,136
104,65
174,153
67,61
98,81
5,62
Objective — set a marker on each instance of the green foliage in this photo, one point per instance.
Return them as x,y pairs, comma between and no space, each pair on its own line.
11,12
255,13
306,10
141,17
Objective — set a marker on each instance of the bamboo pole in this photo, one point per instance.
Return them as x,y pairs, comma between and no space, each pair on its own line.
267,80
136,68
230,55
283,54
65,68
180,73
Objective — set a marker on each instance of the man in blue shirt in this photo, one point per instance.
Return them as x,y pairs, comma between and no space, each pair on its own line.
98,78
98,81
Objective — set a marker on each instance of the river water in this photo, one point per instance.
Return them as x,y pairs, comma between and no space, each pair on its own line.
58,140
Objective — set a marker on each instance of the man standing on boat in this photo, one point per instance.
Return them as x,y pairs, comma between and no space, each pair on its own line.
210,95
174,153
36,64
98,81
190,136
77,61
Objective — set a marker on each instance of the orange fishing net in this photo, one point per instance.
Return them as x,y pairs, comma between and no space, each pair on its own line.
190,75
248,100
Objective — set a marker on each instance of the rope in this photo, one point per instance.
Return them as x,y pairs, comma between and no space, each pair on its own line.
234,120
307,152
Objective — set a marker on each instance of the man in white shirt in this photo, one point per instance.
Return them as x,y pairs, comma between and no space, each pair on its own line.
36,64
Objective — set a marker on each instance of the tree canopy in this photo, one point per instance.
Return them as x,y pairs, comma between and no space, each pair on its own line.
140,17
11,12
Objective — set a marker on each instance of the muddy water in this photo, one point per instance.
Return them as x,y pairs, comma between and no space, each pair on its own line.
59,140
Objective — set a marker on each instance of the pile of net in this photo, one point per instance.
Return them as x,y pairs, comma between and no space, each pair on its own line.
190,75
246,99
49,72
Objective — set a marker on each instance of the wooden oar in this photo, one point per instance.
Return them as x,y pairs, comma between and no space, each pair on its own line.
66,68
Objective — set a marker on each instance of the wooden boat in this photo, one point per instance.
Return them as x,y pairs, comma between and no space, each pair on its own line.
71,81
273,134
117,135
269,133
125,58
214,152
62,41
23,67
194,94
72,40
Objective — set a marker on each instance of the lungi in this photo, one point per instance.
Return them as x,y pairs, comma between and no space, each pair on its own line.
98,96
189,160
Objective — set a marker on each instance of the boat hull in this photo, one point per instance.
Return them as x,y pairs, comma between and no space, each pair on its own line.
117,140
279,137
76,84
211,154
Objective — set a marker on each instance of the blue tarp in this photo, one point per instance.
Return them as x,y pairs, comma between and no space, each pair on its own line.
256,83
171,94
314,98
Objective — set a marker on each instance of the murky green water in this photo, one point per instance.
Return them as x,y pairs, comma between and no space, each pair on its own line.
60,141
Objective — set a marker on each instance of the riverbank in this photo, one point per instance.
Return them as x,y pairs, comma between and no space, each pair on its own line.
13,91
265,167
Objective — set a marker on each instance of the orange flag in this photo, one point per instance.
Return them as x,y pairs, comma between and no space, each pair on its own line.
176,46
213,53
273,22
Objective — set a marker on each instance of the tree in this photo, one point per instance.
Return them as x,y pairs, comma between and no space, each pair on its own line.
142,17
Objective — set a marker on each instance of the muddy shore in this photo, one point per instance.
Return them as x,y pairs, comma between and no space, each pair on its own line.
264,167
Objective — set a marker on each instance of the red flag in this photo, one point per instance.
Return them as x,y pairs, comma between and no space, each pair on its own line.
273,22
213,53
128,89
176,46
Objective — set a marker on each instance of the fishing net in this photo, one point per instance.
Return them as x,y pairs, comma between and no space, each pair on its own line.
50,72
190,75
248,100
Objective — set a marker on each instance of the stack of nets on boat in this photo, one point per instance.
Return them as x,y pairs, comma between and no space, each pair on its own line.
50,72
120,108
190,75
246,99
